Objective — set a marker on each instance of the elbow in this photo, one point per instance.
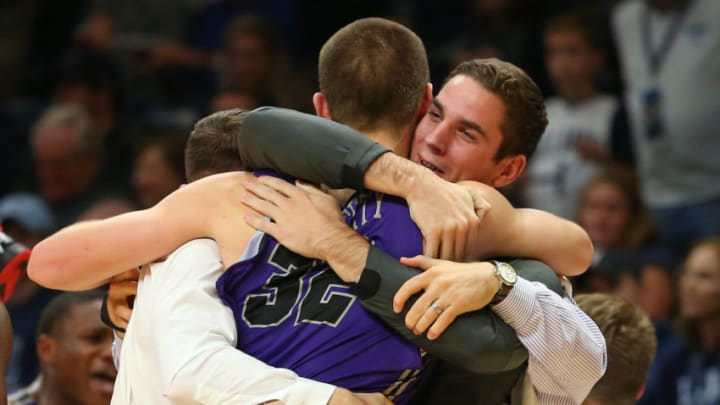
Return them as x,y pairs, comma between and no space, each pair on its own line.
584,252
44,271
489,349
490,360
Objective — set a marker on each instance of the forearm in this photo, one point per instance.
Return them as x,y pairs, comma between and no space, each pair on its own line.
567,350
306,146
87,254
479,341
561,244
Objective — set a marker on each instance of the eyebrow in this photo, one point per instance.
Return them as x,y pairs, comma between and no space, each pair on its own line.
465,122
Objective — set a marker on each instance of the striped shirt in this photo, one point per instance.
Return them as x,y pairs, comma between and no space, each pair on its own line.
566,348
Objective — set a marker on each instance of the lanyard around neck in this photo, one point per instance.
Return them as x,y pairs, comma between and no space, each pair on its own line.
656,57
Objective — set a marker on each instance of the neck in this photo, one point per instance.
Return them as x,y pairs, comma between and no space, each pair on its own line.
48,395
389,139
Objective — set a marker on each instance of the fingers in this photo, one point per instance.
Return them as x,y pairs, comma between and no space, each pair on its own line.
431,245
125,276
260,205
261,224
119,290
442,322
407,290
460,242
308,188
419,308
482,206
447,246
429,315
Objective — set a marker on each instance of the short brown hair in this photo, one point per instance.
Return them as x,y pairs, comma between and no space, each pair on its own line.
373,73
212,145
525,117
579,22
631,344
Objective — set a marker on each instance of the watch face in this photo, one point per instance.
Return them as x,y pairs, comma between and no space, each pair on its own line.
508,274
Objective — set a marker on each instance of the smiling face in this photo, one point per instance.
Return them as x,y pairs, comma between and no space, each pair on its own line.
460,135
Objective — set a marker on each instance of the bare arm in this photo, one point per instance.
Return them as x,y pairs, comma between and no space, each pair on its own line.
506,231
87,254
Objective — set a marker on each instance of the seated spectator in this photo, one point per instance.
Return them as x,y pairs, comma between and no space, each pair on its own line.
582,134
74,348
159,168
631,345
687,370
627,260
69,157
28,219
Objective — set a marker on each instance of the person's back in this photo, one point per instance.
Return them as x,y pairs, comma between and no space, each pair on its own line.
339,341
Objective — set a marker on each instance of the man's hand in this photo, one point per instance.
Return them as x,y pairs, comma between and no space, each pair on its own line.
305,218
447,214
121,294
450,289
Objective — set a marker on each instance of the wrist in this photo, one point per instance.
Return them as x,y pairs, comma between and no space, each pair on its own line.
506,278
395,175
346,254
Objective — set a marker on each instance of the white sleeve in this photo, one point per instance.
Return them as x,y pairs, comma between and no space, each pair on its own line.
196,336
566,348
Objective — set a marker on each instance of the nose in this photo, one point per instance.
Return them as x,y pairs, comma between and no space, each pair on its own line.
437,139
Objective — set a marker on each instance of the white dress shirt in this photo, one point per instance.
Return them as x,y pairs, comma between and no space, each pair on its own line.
180,343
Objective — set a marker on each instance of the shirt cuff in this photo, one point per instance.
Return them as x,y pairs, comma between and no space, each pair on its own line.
517,307
369,283
357,162
306,391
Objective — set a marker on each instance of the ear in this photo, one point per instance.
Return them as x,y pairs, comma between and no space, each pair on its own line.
322,109
426,100
46,348
509,169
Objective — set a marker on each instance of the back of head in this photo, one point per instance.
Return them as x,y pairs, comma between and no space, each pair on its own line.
373,73
212,145
525,117
631,344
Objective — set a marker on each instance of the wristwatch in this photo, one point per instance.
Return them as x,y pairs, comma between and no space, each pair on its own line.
507,276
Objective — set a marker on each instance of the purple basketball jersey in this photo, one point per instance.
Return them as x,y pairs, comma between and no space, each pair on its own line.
295,313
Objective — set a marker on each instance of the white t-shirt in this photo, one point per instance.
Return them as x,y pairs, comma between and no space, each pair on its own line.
557,172
180,344
681,166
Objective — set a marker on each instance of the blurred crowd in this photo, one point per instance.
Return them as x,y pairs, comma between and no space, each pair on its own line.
98,96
